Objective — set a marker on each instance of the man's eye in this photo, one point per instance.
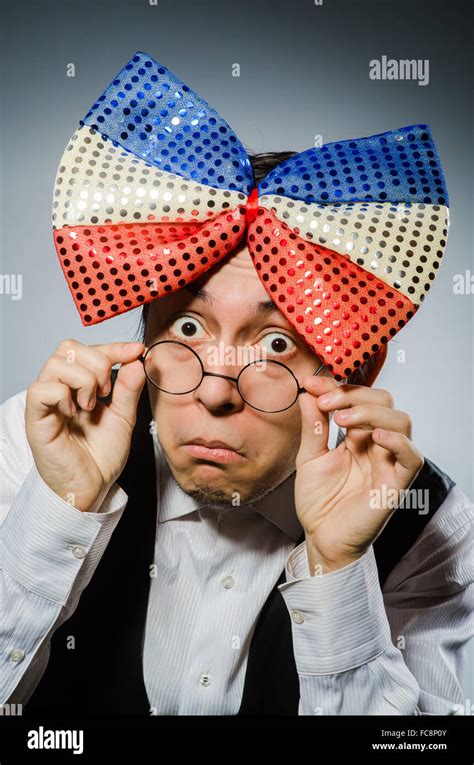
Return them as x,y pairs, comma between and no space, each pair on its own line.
187,327
277,343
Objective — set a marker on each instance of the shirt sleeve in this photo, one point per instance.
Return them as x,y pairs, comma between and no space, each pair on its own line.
361,650
49,551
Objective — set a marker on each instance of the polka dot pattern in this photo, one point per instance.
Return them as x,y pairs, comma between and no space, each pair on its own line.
343,312
98,182
401,243
153,114
154,188
396,166
112,269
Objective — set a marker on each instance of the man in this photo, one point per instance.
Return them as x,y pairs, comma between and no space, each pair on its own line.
211,581
244,578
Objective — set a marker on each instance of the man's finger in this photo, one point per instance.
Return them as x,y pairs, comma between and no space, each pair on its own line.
369,416
126,391
351,395
99,358
119,353
314,430
409,459
319,384
116,353
43,397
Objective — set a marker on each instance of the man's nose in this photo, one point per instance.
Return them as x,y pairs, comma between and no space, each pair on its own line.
218,394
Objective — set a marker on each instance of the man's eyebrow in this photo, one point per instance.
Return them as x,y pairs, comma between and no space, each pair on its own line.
199,292
266,306
263,306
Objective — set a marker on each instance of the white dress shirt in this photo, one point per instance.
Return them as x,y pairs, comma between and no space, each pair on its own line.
358,649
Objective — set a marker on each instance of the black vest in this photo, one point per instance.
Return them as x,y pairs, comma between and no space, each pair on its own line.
103,674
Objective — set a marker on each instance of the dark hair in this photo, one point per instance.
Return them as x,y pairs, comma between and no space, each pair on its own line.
262,163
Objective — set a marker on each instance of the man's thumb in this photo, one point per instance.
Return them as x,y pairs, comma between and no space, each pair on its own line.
127,388
314,430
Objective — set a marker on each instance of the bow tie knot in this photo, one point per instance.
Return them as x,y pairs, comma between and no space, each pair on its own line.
251,206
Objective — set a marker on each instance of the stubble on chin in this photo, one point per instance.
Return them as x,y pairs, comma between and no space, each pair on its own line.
233,497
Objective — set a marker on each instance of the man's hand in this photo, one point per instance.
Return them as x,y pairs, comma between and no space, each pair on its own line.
334,488
79,445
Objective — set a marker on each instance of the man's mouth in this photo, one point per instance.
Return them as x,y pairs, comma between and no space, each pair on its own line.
212,451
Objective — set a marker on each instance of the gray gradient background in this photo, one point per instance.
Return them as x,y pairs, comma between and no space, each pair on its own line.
304,71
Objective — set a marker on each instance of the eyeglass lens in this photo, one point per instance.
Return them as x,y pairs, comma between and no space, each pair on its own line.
265,384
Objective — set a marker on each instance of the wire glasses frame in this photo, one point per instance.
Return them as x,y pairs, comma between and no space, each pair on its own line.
298,389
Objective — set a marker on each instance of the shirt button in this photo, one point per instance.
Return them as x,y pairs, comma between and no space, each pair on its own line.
297,616
205,679
79,551
17,655
228,582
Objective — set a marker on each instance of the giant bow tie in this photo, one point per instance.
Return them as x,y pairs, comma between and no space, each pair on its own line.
154,188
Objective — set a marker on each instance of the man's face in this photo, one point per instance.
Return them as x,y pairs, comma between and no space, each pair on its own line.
227,308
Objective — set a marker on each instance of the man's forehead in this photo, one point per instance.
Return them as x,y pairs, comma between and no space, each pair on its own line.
235,283
264,306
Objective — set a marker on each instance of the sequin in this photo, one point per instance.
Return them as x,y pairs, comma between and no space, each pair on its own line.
154,115
346,291
154,188
413,235
99,183
139,268
376,168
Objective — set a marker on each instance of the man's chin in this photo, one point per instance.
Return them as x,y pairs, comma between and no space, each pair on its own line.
223,485
215,482
208,496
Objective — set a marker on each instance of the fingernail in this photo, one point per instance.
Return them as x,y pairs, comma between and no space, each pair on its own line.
344,416
91,403
326,398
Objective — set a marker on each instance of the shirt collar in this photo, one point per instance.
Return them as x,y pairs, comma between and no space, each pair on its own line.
278,506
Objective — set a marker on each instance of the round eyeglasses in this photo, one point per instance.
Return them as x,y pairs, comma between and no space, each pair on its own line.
266,385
